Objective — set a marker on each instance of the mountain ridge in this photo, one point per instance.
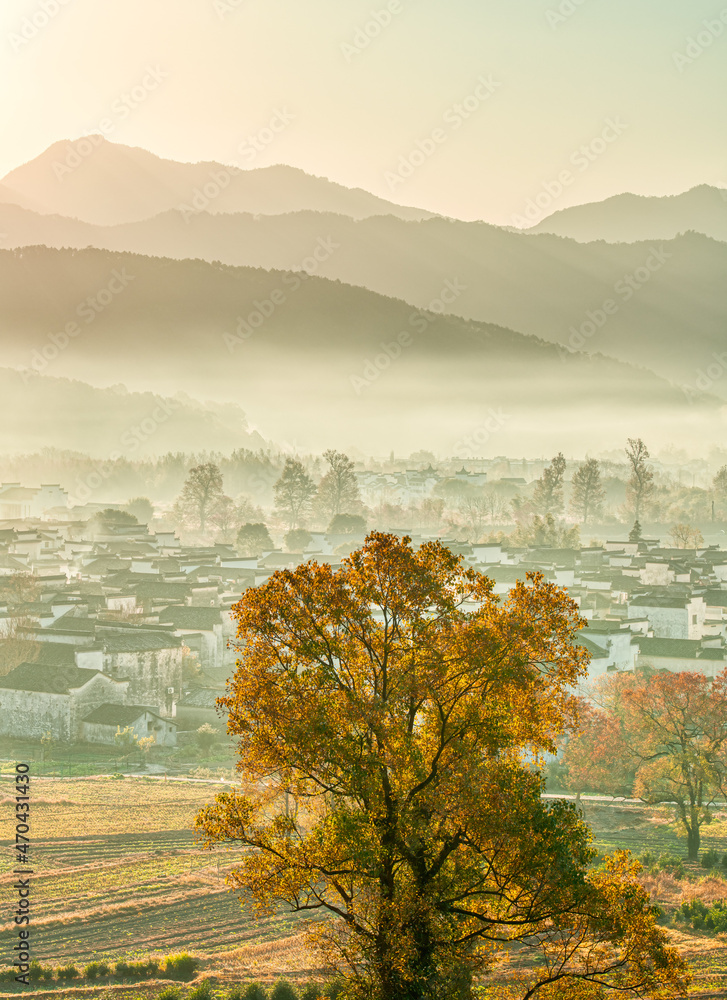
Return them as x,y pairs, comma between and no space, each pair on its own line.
108,183
668,300
311,359
112,421
629,218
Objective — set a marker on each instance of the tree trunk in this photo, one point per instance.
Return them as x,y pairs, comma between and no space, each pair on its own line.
693,840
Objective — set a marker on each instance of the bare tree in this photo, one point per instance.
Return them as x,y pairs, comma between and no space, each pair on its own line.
685,537
338,491
496,506
474,512
719,487
640,487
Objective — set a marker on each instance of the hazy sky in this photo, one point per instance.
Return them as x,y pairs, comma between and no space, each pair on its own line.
480,102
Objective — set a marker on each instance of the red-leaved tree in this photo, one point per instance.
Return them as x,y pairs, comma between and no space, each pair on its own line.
661,736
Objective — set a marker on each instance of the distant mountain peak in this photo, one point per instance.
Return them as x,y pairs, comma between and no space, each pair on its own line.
631,218
95,180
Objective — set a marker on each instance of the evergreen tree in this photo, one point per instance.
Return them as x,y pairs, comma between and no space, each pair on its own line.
201,495
253,540
293,493
588,493
548,494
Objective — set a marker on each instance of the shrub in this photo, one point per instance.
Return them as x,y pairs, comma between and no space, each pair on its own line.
710,859
668,861
7,975
67,972
35,971
312,991
679,872
47,973
703,917
334,988
672,864
95,970
206,737
236,993
121,970
201,992
144,970
254,991
283,990
170,993
181,966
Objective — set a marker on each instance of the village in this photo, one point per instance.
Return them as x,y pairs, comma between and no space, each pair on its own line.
125,628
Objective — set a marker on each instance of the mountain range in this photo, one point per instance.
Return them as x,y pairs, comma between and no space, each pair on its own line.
327,312
318,358
669,297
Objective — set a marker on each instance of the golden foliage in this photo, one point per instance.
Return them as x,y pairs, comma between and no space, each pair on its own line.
403,708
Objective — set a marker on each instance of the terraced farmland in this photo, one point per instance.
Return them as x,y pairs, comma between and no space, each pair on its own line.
117,873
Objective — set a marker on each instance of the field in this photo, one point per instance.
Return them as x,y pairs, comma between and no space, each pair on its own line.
641,829
118,875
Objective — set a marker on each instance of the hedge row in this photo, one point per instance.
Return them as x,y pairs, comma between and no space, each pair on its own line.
182,966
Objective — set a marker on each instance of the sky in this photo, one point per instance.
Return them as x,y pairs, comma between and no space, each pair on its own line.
470,108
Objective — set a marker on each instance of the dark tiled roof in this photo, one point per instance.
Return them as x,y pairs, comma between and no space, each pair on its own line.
57,653
18,493
73,623
165,591
670,647
659,602
711,653
201,698
690,649
716,598
607,625
137,642
511,574
185,617
118,715
596,651
49,678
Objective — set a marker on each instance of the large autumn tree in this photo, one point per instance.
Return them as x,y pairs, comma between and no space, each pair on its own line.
389,716
663,737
